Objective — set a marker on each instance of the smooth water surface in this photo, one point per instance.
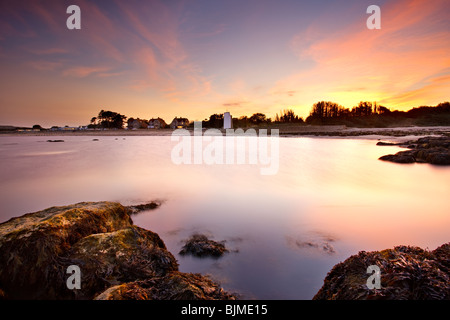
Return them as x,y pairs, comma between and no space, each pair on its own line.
330,199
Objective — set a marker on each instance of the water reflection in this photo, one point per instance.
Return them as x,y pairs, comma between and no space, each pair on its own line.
329,199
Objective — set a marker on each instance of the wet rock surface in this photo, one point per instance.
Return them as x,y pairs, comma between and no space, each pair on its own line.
173,286
199,245
37,248
143,207
406,273
434,150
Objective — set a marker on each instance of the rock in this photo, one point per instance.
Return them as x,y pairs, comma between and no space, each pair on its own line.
406,273
433,150
37,248
143,207
400,157
31,245
199,245
440,159
173,286
381,143
125,255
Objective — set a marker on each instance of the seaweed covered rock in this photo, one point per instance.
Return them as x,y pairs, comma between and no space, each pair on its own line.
99,238
401,157
406,273
111,258
32,246
434,150
173,286
199,245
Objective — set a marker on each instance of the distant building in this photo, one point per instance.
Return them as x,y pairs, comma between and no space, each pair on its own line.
67,128
227,121
157,123
135,124
178,123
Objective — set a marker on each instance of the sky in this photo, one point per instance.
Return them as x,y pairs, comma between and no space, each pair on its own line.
194,58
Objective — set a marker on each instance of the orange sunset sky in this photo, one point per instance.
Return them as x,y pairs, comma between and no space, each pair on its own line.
191,58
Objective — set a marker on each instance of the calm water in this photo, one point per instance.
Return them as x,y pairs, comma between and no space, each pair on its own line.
330,199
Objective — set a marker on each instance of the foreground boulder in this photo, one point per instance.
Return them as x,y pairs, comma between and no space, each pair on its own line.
173,286
434,150
406,273
36,250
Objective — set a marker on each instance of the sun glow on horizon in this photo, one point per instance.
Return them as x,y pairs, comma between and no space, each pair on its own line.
159,59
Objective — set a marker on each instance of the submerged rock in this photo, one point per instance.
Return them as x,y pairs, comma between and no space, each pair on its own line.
382,143
143,207
36,249
199,245
406,273
434,150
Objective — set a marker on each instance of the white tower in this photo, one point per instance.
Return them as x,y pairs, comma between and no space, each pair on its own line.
227,121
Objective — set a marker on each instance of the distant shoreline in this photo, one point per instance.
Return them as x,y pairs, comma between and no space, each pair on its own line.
284,131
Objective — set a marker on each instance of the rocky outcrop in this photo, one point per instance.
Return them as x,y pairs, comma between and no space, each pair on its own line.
173,286
434,150
36,249
406,273
199,245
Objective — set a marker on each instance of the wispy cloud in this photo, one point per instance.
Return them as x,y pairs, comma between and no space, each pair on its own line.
411,45
235,104
82,71
45,65
48,51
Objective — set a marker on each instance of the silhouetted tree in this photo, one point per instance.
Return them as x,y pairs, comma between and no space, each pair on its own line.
258,118
110,119
288,116
215,121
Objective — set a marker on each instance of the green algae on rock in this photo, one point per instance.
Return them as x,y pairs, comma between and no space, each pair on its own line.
173,286
99,237
406,273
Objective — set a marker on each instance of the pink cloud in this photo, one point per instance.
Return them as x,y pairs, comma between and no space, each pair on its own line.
82,72
410,47
434,92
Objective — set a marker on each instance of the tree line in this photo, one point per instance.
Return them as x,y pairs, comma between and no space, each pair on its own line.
372,114
366,113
